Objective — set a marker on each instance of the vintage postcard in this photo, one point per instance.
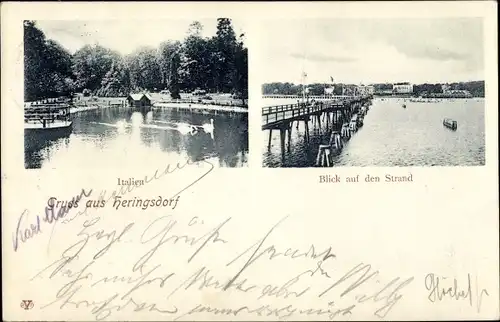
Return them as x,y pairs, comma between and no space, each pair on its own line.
143,147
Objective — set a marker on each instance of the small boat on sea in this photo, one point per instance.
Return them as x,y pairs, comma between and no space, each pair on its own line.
47,118
449,123
44,122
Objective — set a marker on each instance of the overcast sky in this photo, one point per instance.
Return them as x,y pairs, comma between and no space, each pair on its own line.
369,50
124,36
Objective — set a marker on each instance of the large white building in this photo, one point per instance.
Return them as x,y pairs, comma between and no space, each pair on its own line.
402,88
447,91
366,89
329,90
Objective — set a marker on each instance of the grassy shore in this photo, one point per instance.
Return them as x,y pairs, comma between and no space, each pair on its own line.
216,99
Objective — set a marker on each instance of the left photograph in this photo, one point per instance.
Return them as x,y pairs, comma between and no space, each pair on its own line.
107,93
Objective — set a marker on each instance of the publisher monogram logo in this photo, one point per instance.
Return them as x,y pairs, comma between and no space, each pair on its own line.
27,304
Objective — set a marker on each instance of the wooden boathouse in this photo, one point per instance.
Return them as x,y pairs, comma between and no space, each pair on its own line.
139,101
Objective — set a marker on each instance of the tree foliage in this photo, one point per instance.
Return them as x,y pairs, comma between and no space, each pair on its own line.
215,64
47,65
145,72
424,89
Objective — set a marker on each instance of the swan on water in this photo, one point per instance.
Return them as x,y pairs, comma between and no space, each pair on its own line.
185,128
209,128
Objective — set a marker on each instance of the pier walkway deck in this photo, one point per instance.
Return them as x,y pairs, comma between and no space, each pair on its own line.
277,116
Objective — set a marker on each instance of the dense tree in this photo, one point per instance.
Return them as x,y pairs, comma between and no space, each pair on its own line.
165,57
240,83
145,72
281,88
175,65
196,58
47,65
90,65
424,89
116,82
475,88
216,64
225,44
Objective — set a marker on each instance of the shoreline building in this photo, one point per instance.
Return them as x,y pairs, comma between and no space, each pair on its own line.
366,89
329,91
140,102
402,88
459,93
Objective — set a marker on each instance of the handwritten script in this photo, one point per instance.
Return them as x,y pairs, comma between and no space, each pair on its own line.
175,262
442,288
185,267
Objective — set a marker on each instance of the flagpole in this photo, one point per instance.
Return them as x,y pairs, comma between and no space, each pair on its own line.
333,85
303,80
304,74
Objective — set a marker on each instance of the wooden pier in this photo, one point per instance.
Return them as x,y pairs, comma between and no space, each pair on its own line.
342,117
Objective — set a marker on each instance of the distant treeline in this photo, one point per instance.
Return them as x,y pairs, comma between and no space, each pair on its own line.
293,89
476,88
217,64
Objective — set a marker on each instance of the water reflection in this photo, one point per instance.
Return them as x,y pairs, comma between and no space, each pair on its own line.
395,136
128,136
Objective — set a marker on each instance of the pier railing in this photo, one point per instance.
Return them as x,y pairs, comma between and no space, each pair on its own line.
273,114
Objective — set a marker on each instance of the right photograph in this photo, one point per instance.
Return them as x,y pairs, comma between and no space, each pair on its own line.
373,92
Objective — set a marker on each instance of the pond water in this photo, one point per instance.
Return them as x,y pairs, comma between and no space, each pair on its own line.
115,136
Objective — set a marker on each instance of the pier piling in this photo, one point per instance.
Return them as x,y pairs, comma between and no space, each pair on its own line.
289,137
306,124
282,141
333,117
323,157
270,137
